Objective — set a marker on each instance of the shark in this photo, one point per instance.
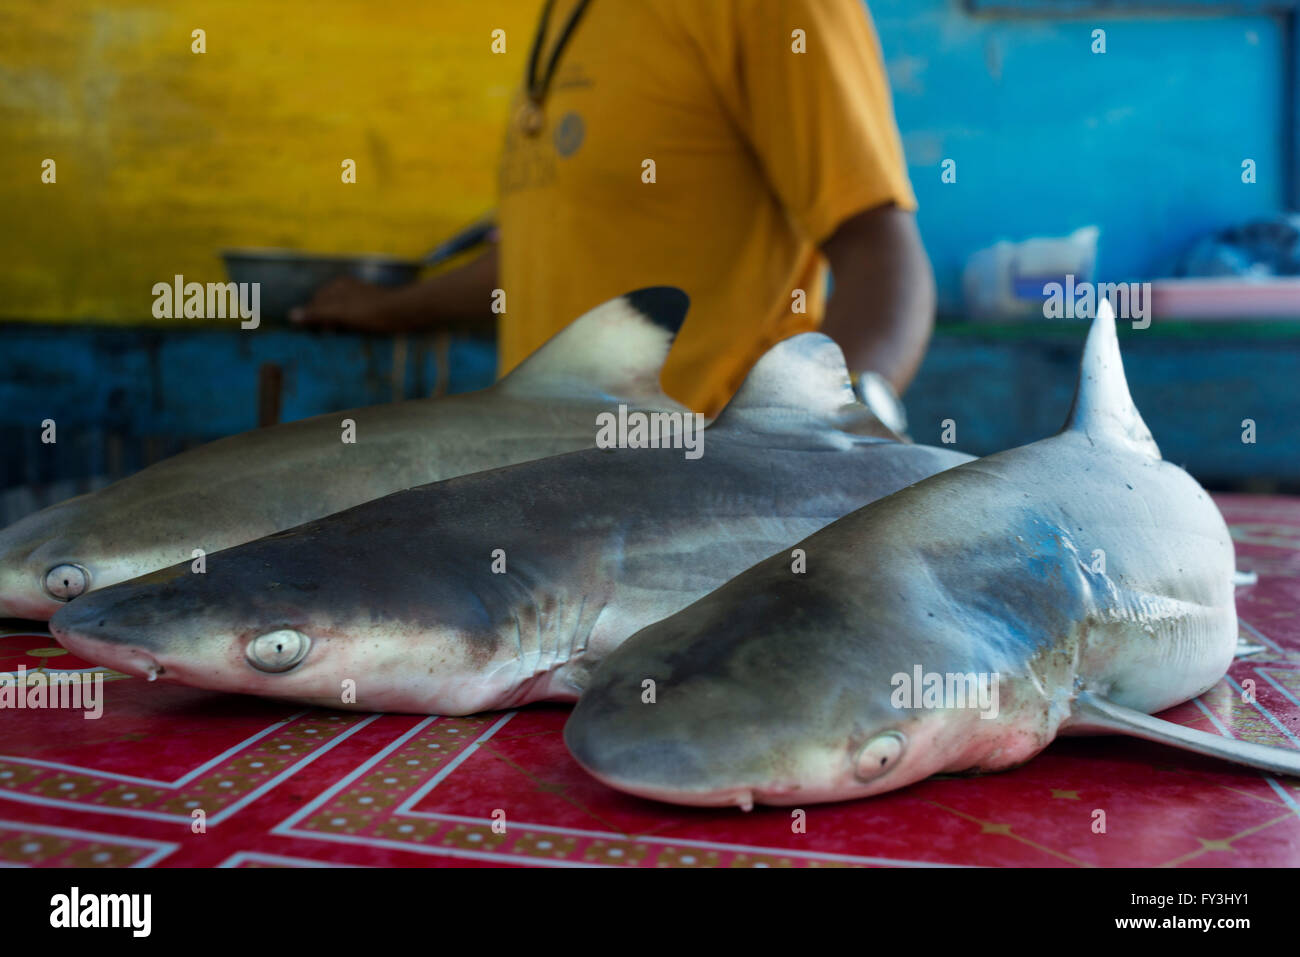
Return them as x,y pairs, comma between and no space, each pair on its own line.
505,587
1076,585
247,486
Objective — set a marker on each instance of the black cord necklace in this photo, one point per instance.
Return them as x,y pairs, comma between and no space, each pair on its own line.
531,116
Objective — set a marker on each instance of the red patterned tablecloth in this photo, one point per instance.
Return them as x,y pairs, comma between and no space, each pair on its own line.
282,786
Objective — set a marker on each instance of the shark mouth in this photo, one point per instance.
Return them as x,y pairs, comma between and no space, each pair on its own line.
742,798
124,658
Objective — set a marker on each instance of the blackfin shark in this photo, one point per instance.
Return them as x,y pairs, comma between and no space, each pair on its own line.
1076,585
504,587
244,487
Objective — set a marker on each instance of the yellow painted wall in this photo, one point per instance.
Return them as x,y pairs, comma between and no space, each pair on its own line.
165,156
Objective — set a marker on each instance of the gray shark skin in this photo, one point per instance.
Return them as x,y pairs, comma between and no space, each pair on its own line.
1091,578
504,587
244,487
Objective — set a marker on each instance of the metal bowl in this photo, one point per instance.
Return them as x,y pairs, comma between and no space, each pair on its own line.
290,277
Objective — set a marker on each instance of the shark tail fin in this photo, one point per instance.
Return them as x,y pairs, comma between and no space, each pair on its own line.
617,349
1103,408
1101,715
801,385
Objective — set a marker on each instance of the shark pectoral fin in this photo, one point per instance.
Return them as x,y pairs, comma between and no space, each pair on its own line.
1245,649
1242,579
618,349
1102,715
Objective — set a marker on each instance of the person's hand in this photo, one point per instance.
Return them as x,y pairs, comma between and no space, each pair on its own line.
348,303
877,394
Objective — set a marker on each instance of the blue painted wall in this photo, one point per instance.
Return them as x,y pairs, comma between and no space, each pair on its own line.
124,397
1145,141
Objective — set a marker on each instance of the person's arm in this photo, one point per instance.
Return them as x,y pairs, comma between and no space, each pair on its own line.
881,311
463,294
820,120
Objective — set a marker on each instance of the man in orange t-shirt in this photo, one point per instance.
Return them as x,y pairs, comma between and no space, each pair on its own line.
732,148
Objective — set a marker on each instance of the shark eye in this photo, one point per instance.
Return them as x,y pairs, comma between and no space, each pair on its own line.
65,582
878,755
277,651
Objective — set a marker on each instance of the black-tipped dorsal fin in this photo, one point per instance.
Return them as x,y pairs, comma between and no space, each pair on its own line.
800,386
1103,408
617,349
1099,714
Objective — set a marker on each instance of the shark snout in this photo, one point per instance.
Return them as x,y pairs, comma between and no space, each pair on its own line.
91,628
729,721
110,654
662,768
21,594
676,748
623,754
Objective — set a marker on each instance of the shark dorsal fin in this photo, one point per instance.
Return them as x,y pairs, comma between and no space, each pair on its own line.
800,386
617,349
1103,409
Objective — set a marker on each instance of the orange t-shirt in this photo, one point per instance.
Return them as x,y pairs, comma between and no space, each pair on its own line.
757,153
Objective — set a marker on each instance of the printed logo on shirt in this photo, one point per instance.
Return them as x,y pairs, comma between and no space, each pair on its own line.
527,162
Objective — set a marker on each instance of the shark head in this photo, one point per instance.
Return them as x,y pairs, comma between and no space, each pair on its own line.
344,620
147,522
55,555
694,710
37,575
